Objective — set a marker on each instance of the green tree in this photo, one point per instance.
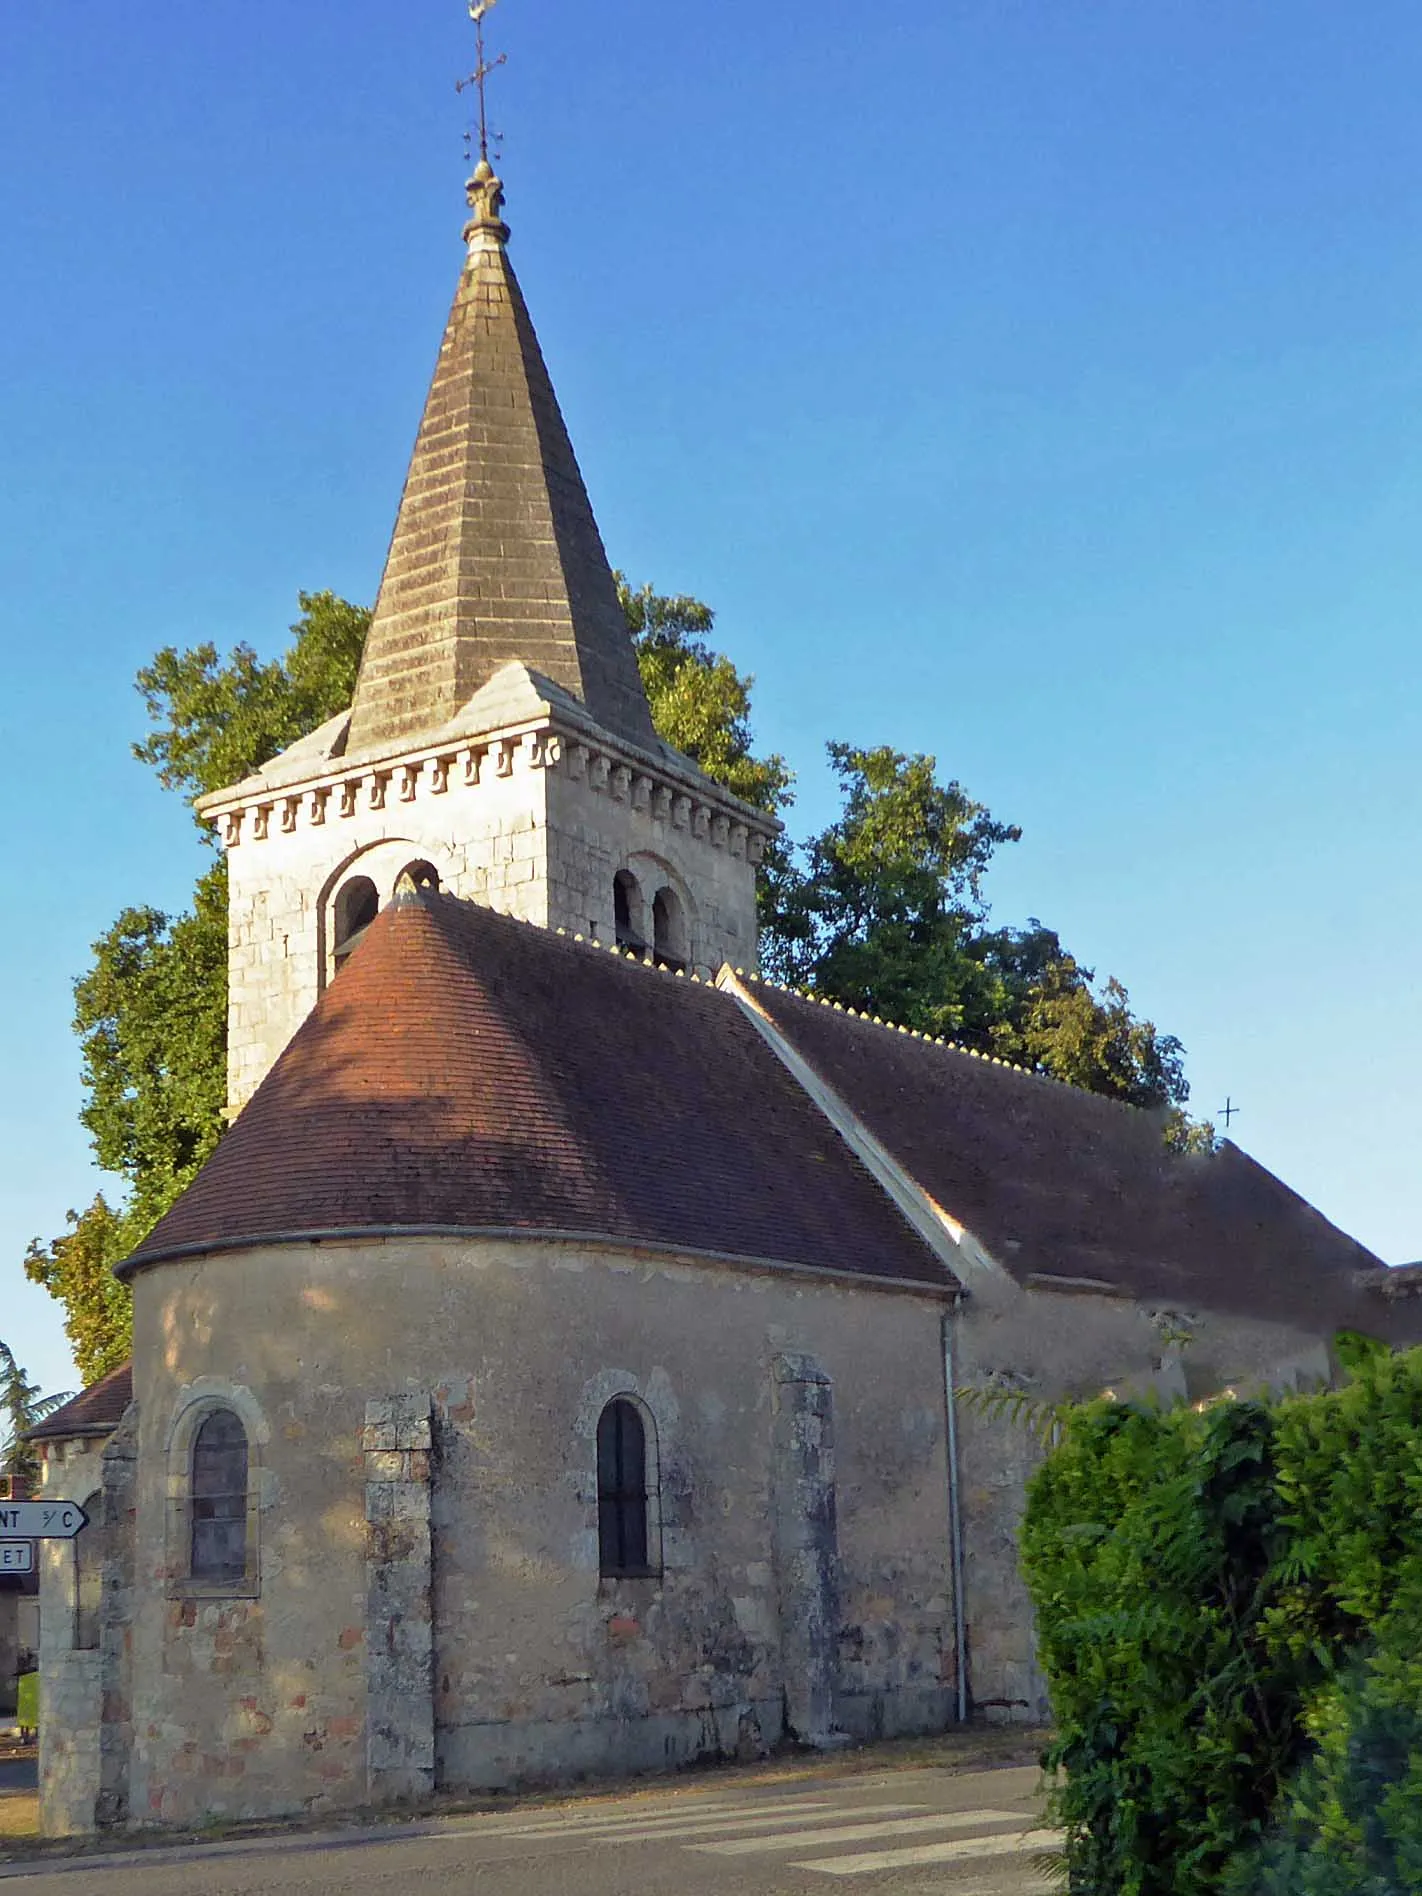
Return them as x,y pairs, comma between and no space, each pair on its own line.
216,720
885,911
22,1408
77,1270
700,702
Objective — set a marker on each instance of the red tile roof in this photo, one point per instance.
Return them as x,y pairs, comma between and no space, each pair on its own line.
97,1410
1055,1180
469,1072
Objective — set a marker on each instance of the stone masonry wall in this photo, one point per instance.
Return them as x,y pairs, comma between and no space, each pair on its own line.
120,1602
1059,1344
70,1700
399,1621
806,1543
543,1670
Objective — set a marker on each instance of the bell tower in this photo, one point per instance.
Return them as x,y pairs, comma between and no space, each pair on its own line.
500,740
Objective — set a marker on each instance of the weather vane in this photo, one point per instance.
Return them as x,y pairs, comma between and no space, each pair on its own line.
481,72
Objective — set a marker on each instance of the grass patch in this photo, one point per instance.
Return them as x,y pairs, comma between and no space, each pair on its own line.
19,1815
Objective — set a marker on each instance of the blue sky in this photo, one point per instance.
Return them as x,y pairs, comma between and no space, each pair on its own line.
1032,382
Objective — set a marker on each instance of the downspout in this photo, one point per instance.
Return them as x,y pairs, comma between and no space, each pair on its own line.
955,1514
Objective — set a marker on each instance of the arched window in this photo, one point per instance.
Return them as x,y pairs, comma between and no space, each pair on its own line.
89,1550
627,911
218,1499
669,944
421,876
357,905
622,1538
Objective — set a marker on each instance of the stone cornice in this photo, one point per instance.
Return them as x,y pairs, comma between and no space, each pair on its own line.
339,787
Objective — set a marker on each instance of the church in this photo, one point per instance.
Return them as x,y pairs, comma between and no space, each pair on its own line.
557,1368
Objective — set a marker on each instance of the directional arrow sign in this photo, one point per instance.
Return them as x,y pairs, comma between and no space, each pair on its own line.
17,1557
42,1520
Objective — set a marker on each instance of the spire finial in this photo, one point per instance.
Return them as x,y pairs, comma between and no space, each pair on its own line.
485,190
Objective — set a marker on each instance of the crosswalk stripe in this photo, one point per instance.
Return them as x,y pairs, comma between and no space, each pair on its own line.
726,1821
851,1832
962,1850
720,1807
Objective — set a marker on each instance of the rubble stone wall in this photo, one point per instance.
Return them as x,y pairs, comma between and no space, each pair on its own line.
542,1669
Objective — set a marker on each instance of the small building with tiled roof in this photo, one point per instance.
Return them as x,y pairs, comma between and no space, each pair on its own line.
555,1368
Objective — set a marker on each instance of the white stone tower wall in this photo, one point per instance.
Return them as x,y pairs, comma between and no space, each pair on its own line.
529,824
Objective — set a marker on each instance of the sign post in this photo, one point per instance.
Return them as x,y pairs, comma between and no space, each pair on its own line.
17,1557
42,1520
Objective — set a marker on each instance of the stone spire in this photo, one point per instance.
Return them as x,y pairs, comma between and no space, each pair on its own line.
496,556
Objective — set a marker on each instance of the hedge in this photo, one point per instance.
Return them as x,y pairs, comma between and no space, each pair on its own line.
1229,1608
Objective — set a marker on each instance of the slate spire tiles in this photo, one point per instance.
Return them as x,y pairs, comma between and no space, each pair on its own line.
496,555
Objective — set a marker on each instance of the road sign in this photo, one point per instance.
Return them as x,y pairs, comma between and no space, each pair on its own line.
42,1520
17,1557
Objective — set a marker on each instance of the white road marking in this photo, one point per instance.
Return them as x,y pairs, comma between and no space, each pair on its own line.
861,1833
566,1821
753,1820
864,1862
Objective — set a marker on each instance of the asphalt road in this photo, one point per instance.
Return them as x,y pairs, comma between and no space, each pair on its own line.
912,1832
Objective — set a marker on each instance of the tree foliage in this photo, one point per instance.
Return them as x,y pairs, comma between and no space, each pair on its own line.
77,1269
216,720
700,702
22,1407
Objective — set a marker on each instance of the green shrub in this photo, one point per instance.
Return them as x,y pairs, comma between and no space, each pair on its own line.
1352,1820
1229,1606
1150,1545
28,1713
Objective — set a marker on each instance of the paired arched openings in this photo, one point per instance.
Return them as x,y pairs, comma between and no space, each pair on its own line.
650,914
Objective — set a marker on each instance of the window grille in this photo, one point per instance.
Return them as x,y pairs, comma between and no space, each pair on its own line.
219,1499
621,1491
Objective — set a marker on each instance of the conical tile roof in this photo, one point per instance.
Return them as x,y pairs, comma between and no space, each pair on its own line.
496,555
466,1072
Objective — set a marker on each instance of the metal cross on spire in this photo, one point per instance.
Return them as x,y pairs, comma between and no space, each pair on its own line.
479,77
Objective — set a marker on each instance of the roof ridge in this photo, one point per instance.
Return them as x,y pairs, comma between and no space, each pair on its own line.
932,1040
645,960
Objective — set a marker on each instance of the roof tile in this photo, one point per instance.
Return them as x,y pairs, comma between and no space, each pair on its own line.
467,1071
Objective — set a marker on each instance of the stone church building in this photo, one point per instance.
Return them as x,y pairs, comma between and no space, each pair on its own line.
553,1370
